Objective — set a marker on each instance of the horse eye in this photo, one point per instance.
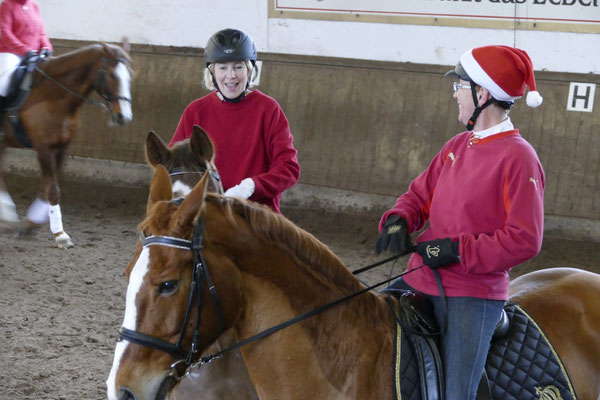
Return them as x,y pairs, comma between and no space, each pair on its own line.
112,75
168,287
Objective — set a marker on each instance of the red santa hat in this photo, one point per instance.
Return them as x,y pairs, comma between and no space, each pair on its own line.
504,71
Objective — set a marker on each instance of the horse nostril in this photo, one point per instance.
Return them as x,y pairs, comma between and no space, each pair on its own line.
120,119
125,394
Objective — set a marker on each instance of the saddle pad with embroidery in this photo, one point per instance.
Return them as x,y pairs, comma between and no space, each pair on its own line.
406,374
524,364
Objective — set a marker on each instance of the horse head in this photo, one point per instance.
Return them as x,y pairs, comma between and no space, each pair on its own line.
210,264
113,82
171,309
186,162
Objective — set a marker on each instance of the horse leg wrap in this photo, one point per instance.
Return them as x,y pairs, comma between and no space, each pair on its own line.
55,219
8,210
39,212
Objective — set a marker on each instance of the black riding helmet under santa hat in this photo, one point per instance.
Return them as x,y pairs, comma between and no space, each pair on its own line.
230,45
503,70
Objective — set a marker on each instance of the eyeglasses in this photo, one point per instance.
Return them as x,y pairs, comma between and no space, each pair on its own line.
457,85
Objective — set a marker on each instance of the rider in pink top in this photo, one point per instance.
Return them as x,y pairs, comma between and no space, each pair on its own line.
483,196
22,28
21,31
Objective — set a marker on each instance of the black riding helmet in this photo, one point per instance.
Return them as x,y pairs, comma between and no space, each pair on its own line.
230,45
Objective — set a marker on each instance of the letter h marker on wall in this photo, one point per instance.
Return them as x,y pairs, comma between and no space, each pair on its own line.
581,97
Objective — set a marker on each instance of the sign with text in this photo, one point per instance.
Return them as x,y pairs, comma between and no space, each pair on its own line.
555,15
581,96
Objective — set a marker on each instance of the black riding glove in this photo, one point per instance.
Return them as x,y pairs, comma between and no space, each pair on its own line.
394,235
438,253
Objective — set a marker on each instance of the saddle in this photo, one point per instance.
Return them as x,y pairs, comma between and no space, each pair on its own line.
18,92
522,363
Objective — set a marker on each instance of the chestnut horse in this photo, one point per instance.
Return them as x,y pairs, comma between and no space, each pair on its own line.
186,162
212,264
49,117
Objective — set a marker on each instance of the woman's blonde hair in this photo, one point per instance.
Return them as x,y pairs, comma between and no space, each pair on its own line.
208,77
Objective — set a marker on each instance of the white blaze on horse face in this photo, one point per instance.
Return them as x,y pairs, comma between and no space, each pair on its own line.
124,91
136,278
180,189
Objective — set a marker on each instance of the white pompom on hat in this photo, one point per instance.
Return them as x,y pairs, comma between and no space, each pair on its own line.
503,70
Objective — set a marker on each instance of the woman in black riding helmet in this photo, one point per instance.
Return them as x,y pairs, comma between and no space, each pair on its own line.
254,148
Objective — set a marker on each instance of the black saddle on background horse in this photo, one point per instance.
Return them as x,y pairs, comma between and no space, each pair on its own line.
20,86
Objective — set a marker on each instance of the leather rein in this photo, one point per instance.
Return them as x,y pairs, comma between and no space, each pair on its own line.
106,95
200,273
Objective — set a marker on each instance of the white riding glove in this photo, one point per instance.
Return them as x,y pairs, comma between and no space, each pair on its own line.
244,190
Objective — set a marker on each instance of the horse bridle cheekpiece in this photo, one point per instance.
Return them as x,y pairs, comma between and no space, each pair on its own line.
103,89
199,274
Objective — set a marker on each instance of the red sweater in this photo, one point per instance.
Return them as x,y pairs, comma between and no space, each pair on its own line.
252,140
489,196
21,28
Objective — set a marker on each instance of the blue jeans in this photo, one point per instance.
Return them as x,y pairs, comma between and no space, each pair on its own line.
465,344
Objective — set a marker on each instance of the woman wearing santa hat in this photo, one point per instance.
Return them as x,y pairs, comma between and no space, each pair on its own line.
483,196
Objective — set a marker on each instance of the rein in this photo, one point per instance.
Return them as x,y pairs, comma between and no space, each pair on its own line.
199,273
301,317
108,98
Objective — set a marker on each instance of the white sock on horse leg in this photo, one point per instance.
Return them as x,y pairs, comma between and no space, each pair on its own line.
8,210
55,219
39,212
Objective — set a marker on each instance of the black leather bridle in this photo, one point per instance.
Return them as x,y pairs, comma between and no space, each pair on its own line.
103,89
200,274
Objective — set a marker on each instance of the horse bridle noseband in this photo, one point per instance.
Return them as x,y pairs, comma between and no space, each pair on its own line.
199,275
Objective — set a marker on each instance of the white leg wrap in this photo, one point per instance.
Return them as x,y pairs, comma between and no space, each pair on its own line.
8,210
38,212
55,219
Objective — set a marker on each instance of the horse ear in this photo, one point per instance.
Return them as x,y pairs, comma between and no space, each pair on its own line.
192,205
126,45
201,144
160,188
157,151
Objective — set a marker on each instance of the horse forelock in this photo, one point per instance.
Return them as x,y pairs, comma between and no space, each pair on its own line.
310,254
182,157
159,221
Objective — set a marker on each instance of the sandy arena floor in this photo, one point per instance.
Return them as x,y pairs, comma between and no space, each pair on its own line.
60,310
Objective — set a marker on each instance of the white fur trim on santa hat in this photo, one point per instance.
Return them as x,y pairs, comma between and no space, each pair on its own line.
480,77
534,99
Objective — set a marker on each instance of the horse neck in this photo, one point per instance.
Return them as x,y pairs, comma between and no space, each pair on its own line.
76,70
282,280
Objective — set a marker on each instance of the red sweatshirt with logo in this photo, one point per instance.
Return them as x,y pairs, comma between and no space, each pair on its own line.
488,194
252,140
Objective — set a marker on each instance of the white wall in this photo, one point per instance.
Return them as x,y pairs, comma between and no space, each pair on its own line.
191,22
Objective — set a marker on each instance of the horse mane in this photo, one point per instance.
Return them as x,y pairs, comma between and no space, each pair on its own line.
56,68
311,254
